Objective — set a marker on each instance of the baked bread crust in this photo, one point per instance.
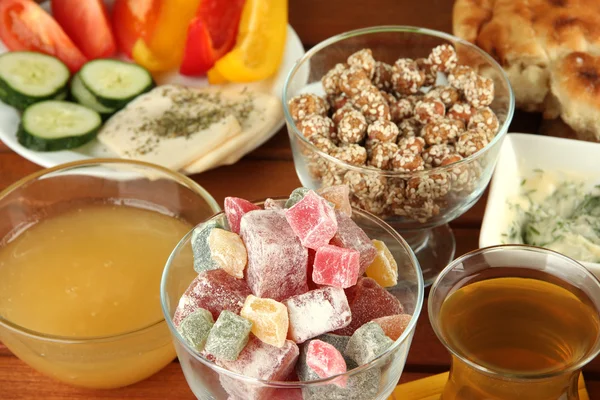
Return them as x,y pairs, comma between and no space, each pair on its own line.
528,38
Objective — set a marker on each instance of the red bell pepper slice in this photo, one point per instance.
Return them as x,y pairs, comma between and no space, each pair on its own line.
211,34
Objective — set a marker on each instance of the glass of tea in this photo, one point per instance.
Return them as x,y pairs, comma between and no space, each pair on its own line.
82,250
520,322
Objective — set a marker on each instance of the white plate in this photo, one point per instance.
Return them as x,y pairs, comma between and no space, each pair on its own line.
9,117
520,155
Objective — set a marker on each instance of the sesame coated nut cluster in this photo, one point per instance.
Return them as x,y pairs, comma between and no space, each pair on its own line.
411,116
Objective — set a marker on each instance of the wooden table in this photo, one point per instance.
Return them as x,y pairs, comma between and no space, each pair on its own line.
269,171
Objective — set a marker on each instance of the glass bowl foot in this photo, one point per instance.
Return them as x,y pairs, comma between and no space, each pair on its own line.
434,249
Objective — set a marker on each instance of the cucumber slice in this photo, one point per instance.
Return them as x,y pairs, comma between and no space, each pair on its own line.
27,77
86,98
57,125
115,83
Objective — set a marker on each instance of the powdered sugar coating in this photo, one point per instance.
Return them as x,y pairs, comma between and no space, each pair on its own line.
228,336
367,343
368,300
351,236
235,208
326,361
313,220
213,291
336,266
316,312
277,260
261,361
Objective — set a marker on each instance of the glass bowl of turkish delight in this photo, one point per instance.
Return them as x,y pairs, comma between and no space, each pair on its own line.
297,298
410,119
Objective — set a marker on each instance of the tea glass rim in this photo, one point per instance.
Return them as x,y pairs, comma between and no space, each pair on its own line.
296,384
175,176
502,131
593,352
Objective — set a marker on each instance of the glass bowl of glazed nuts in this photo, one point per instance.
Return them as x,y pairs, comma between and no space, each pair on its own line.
410,119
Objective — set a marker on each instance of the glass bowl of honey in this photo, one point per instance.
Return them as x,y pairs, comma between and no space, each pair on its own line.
390,111
82,253
209,379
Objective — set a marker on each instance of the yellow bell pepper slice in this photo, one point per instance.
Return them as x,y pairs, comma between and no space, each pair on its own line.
259,46
165,48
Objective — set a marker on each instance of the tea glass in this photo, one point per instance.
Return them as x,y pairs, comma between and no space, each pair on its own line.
470,381
99,362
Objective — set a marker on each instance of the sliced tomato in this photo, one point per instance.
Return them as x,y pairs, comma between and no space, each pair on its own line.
26,26
211,34
87,24
133,20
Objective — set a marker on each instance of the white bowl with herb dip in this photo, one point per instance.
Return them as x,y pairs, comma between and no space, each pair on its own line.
546,192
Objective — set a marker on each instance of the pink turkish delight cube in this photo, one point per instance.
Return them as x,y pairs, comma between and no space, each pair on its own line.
336,266
316,312
326,361
261,361
215,291
350,236
277,261
312,220
235,208
368,301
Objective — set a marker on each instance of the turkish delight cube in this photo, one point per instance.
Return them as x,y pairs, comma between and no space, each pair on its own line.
339,196
202,258
316,312
235,208
313,220
214,291
367,343
326,361
336,266
394,325
269,319
350,236
384,268
296,195
228,336
277,261
368,300
228,251
261,361
195,328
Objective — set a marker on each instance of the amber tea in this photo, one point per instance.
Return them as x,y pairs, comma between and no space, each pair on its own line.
517,326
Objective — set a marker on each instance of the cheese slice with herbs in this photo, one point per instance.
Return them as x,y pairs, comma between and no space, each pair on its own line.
260,113
171,126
